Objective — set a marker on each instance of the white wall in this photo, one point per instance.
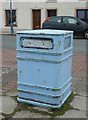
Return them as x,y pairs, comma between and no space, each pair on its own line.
69,8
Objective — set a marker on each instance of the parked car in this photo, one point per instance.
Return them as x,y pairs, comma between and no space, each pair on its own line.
79,27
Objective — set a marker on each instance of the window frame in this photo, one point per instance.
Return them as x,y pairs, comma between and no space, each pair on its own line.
68,20
51,1
51,10
7,17
52,19
85,14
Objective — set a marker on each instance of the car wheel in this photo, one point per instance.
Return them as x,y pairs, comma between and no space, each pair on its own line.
86,34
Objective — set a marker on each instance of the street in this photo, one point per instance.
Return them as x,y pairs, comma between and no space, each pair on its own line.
9,72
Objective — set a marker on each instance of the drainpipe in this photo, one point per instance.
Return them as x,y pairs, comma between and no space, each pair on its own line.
11,24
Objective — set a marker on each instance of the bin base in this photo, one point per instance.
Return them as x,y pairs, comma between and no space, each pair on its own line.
35,103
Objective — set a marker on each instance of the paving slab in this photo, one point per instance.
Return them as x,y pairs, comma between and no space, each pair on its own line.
41,109
0,91
8,105
79,85
12,94
79,102
7,69
73,114
0,104
28,114
1,117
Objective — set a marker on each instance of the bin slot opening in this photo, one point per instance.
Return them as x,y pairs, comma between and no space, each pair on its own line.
39,43
67,42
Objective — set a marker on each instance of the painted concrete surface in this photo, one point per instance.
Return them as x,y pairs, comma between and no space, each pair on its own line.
79,103
73,114
8,105
28,114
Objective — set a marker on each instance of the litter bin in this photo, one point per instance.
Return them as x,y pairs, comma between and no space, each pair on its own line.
44,61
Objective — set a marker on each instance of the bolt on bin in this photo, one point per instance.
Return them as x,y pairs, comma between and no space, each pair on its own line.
44,61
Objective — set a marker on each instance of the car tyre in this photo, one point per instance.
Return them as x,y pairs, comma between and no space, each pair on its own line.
86,34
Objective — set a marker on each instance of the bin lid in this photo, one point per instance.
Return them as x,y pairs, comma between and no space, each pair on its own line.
45,32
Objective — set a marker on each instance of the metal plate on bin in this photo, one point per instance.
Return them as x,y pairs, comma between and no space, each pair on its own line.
43,43
67,42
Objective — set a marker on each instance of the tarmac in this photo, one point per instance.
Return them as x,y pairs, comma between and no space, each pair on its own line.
10,108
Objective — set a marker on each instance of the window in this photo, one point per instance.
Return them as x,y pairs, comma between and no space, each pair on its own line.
82,14
51,13
8,17
51,1
69,20
56,19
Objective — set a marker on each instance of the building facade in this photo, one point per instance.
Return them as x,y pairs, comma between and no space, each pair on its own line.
30,14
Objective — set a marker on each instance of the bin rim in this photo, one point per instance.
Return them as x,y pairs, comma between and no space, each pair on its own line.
45,32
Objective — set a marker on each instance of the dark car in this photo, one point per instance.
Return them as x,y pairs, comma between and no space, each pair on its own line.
79,27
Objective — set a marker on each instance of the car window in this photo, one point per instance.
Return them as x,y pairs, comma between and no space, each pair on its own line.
69,20
56,19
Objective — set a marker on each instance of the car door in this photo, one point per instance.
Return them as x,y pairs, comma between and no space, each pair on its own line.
71,23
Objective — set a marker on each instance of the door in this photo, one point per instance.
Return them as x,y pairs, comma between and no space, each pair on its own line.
36,19
51,13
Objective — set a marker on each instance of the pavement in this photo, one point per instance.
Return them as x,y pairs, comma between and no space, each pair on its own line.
10,108
8,32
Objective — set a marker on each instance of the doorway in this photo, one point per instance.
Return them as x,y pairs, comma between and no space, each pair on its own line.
36,19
